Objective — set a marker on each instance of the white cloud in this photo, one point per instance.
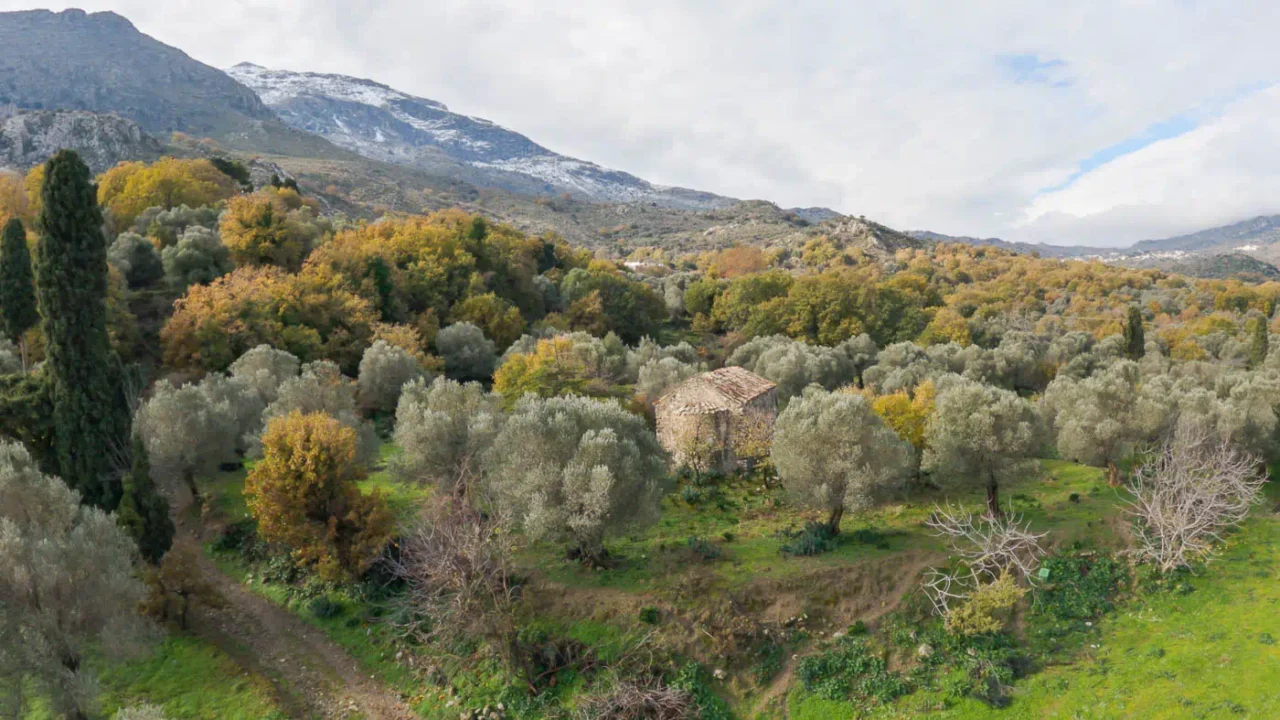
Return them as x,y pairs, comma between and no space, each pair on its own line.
941,115
1225,170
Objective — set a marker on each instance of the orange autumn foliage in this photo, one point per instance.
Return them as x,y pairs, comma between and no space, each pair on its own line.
304,496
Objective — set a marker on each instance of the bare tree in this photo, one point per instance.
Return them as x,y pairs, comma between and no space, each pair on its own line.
1188,493
457,564
640,700
986,548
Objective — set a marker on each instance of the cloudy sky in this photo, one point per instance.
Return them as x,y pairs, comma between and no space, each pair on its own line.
1090,121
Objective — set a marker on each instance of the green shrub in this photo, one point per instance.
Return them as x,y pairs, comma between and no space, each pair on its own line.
649,615
691,679
324,608
768,661
702,548
985,611
849,670
814,539
1079,588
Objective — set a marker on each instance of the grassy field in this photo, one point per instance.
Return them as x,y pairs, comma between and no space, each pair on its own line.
712,559
189,679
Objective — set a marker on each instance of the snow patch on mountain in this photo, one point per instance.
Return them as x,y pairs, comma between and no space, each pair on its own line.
275,86
385,124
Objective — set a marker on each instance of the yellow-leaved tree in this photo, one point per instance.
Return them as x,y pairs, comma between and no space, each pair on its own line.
304,496
127,189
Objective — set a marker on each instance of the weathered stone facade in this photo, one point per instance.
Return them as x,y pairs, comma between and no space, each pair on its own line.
721,420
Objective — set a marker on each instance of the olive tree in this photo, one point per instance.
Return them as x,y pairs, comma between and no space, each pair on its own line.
656,376
573,469
384,370
980,436
241,400
467,353
322,388
1100,419
794,365
834,453
135,257
900,366
186,435
67,586
861,351
197,258
443,430
649,351
265,368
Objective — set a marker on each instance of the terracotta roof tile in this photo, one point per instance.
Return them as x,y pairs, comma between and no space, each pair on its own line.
728,388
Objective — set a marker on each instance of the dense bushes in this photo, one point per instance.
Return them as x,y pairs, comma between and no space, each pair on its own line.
303,495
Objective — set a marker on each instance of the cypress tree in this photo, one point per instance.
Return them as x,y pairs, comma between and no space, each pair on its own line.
18,312
144,512
1260,342
90,412
1135,344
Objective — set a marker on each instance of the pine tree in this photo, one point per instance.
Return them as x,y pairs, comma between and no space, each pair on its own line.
1135,344
1260,342
144,512
18,312
90,412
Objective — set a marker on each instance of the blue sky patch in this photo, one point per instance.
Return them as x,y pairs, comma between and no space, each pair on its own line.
1031,69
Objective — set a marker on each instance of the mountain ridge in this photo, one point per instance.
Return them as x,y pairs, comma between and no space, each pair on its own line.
382,123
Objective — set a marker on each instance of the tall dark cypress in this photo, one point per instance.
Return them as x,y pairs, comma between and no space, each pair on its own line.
1260,343
18,312
90,412
144,512
1135,343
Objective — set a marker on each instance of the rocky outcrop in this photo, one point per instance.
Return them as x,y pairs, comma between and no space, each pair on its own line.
30,138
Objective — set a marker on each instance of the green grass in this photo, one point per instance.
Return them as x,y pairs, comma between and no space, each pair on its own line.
1208,653
189,679
1207,648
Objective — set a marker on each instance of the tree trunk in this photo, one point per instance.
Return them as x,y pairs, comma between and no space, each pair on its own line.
22,349
833,522
1113,474
190,479
993,497
72,664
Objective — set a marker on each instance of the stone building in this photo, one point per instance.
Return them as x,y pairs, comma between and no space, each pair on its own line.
721,420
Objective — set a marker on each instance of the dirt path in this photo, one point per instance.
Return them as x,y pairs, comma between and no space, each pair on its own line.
313,678
773,698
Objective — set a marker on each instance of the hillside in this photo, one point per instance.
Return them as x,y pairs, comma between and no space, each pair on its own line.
29,138
73,60
1216,266
1256,237
385,124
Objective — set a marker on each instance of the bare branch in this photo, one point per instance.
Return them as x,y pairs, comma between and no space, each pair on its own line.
1187,494
986,548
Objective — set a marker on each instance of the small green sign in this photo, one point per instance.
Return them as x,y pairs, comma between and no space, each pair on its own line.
1043,574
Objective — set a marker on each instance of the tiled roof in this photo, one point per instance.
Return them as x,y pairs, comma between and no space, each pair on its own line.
728,388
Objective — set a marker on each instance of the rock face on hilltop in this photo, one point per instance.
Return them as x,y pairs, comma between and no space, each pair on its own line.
384,124
30,138
99,62
74,60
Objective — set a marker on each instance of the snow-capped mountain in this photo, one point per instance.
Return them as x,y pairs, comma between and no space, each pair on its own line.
385,124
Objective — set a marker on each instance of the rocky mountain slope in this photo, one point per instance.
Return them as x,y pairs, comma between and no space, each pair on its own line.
385,124
1058,251
1250,248
1248,236
30,138
73,60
